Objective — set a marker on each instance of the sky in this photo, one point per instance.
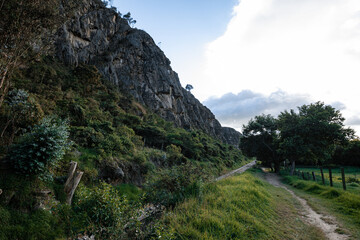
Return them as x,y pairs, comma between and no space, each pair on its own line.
249,57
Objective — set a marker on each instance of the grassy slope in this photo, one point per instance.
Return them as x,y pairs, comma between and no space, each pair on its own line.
240,207
345,206
108,128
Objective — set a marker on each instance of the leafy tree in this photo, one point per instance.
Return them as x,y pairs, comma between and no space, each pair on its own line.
130,20
40,149
189,87
260,140
311,135
291,144
20,112
348,154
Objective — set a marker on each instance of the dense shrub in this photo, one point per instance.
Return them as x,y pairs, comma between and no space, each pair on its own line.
40,225
106,213
41,148
170,186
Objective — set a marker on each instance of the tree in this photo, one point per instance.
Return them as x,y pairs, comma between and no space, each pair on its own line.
20,111
311,135
41,148
348,154
260,139
130,20
291,144
189,87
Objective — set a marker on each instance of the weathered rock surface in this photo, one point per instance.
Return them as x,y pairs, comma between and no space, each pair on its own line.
130,59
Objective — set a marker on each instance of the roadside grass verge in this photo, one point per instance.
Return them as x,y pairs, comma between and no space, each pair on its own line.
240,207
344,205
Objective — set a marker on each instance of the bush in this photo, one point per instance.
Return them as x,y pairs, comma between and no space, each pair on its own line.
170,186
41,148
105,213
39,225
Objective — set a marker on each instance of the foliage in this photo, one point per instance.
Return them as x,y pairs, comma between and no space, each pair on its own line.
170,186
40,149
260,140
311,135
39,224
128,18
307,137
110,130
348,154
189,87
25,26
106,213
20,112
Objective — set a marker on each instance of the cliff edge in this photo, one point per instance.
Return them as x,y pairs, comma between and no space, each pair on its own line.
129,58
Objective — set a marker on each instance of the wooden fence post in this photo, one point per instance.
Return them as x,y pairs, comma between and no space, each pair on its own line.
330,177
343,178
314,178
303,176
322,176
72,182
308,176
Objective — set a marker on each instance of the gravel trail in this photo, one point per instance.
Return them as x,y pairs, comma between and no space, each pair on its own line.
239,170
326,223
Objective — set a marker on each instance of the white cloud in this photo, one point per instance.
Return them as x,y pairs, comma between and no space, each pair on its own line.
236,109
300,46
354,120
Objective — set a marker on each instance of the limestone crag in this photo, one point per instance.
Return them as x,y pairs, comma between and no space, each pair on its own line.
129,58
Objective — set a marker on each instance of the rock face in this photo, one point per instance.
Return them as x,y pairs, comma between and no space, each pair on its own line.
130,59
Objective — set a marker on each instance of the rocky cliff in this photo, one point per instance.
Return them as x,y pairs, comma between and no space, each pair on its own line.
130,59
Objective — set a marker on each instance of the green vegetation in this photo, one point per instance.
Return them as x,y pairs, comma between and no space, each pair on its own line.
26,31
240,207
260,140
104,212
114,139
344,205
41,148
352,177
310,136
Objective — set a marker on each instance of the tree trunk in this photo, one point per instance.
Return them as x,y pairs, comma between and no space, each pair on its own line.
292,168
277,166
72,182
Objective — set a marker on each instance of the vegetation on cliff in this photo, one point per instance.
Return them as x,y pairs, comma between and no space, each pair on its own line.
114,139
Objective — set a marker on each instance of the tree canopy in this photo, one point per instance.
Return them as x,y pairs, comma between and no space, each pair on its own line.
308,136
260,140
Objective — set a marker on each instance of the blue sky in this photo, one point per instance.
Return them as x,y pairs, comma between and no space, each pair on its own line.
183,27
249,57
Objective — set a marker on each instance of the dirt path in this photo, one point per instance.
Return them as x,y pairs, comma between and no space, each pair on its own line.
326,223
239,170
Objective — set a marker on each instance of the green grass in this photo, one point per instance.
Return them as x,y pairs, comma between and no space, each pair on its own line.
344,205
352,176
132,192
240,207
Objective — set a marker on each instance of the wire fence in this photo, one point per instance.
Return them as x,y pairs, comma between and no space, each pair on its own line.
342,177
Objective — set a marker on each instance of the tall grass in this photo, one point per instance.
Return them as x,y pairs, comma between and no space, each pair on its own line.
240,207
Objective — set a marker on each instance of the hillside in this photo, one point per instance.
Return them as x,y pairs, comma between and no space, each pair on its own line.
139,152
129,58
101,95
